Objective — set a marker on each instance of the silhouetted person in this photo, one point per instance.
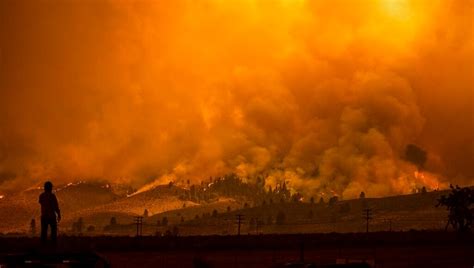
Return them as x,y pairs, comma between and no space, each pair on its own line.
50,214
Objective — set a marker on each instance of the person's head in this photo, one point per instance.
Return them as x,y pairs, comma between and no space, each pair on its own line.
48,186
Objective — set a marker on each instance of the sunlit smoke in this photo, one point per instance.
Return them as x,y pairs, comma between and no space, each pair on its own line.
324,95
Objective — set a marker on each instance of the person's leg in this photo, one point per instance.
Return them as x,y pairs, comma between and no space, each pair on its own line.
54,230
44,230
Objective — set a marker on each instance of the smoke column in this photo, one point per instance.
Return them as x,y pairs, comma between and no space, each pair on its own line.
323,94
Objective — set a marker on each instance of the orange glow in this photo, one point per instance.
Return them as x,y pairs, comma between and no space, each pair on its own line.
323,94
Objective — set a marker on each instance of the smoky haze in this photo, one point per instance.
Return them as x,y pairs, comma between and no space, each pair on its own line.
323,94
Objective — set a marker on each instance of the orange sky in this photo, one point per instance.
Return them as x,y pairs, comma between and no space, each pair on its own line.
325,94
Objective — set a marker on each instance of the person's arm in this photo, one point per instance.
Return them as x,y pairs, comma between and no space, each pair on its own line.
56,208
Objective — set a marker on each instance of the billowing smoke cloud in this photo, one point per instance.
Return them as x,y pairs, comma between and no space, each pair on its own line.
323,94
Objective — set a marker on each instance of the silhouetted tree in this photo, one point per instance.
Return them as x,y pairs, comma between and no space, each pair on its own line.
113,221
297,197
311,200
228,208
458,203
332,201
280,218
423,190
246,205
362,195
214,213
321,201
80,225
182,219
164,221
145,213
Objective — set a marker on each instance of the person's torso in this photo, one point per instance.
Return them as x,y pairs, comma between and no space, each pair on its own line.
48,205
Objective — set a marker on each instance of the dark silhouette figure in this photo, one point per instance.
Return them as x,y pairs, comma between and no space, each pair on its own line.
50,214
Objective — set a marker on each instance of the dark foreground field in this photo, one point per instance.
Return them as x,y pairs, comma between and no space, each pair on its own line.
403,249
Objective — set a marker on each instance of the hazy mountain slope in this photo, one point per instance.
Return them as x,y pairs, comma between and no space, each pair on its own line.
17,210
416,211
97,204
157,200
190,213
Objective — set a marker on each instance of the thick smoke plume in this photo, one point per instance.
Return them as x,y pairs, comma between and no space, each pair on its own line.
323,94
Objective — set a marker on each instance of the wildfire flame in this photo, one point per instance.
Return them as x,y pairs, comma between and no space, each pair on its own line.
428,180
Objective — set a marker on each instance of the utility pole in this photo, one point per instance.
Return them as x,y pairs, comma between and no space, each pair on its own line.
139,223
368,217
239,222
